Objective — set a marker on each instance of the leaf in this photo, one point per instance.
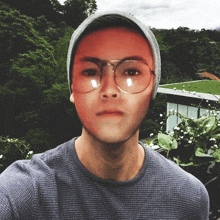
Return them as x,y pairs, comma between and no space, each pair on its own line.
164,141
200,153
186,164
167,142
191,123
174,144
216,155
201,119
208,124
217,136
182,164
177,160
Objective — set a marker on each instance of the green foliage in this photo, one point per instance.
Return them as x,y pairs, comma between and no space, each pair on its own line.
167,142
40,64
60,53
48,30
151,123
75,11
198,141
35,102
186,52
12,149
58,114
50,8
27,64
19,38
41,139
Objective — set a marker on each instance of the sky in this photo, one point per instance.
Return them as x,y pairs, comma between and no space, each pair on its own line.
168,14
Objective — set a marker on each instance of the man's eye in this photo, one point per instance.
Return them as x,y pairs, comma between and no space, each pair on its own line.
132,72
90,72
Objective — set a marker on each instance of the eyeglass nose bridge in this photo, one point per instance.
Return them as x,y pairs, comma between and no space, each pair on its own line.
112,67
113,63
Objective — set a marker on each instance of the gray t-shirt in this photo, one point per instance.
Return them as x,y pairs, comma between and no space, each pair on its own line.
55,185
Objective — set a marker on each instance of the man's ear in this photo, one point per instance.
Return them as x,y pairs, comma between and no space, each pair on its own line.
72,95
72,98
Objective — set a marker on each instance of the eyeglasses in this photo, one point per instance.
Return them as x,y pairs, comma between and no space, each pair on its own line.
131,75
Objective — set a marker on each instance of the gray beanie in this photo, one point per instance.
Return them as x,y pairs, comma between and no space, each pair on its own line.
147,32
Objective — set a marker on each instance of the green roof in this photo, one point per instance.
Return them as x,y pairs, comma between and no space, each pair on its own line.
201,86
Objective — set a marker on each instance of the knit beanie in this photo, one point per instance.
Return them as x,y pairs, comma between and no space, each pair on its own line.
146,31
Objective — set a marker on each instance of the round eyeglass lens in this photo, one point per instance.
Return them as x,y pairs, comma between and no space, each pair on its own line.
132,76
86,77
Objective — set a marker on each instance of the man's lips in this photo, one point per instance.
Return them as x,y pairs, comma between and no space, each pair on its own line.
110,112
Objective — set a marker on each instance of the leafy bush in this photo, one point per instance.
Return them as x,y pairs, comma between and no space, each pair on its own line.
12,149
192,142
195,146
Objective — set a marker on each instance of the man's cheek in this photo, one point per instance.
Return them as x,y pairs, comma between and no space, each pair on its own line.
142,108
82,113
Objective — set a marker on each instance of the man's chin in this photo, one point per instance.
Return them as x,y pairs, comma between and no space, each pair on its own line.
112,139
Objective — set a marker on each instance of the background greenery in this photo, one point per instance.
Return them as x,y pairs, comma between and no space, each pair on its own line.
34,93
35,111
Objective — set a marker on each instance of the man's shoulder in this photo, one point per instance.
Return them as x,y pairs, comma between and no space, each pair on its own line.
56,155
23,173
178,187
171,174
166,166
25,180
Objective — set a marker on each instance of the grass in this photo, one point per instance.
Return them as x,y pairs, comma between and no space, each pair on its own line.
203,86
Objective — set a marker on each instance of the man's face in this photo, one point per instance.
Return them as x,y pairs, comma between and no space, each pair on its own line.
107,113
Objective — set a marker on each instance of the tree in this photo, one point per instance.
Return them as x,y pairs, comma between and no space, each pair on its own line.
19,37
26,63
75,11
51,9
60,53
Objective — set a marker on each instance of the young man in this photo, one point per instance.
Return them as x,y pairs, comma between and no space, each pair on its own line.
113,71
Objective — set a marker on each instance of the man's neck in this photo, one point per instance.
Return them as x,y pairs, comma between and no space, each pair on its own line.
120,162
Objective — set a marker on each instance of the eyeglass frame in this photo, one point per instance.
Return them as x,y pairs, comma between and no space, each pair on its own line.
101,63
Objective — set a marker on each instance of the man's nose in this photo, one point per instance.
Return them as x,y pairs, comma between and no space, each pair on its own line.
109,88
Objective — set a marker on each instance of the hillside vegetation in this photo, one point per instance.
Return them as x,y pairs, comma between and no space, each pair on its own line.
34,93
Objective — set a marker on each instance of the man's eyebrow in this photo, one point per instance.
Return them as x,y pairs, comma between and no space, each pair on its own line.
96,59
90,59
139,58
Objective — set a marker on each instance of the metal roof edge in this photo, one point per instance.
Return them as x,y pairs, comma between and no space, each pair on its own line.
190,94
169,84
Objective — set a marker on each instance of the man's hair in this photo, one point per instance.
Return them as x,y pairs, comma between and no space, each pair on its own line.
103,22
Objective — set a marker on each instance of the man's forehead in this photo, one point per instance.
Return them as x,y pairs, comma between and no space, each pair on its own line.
113,44
112,37
114,31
